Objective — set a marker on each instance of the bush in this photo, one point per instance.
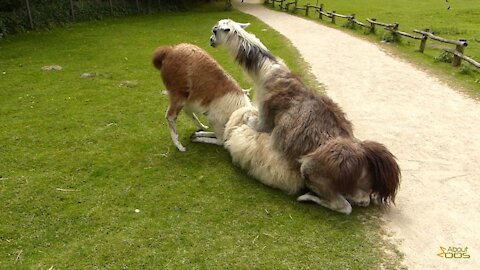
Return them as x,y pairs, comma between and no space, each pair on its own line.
48,13
391,37
444,57
349,24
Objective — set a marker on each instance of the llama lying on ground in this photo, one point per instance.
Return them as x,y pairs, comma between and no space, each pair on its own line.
310,130
253,152
196,82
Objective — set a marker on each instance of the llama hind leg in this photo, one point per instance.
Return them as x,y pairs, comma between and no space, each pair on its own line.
359,197
339,203
208,140
195,119
326,194
171,116
205,137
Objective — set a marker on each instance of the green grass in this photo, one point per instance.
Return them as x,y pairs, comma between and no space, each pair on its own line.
79,155
461,21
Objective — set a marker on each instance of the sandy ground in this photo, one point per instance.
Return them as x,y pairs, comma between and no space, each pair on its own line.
433,130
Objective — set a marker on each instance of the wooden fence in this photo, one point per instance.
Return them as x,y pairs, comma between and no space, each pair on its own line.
372,25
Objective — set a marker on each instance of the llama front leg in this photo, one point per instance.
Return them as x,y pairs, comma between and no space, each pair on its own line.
264,122
171,116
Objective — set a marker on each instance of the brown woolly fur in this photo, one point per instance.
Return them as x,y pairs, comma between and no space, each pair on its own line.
341,160
159,55
196,82
312,129
189,70
384,169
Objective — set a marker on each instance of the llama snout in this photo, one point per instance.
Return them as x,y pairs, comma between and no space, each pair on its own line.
213,41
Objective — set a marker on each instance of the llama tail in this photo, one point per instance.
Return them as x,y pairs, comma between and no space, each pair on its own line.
159,55
384,171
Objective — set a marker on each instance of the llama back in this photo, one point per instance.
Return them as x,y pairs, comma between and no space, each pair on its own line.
306,124
193,71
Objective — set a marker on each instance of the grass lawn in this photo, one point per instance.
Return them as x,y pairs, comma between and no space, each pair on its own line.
461,21
89,178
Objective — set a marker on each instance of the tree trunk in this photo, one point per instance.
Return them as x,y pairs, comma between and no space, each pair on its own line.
29,14
72,11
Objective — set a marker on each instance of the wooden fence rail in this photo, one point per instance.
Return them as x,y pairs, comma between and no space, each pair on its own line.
394,29
458,52
461,42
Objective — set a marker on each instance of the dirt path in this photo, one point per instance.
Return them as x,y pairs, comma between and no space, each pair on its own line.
432,129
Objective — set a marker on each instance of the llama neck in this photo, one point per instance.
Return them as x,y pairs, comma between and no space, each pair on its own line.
252,55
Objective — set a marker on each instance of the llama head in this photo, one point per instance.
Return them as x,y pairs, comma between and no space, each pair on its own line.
223,29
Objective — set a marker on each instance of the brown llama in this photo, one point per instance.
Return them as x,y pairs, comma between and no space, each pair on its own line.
197,83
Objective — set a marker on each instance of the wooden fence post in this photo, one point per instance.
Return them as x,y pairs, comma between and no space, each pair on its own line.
456,59
333,16
320,10
29,14
423,42
306,10
372,26
72,11
351,19
138,6
394,34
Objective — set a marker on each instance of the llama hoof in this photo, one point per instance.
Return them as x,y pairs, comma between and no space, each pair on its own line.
181,148
346,210
363,204
362,201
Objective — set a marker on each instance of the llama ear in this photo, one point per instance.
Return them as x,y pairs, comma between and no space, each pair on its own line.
244,25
